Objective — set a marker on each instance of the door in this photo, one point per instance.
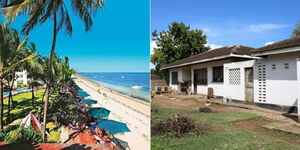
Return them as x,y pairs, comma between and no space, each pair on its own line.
249,85
195,82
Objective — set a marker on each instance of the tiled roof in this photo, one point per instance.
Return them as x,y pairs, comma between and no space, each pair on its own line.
279,45
218,52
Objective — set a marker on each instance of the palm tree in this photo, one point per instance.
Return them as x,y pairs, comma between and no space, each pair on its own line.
41,10
10,42
34,70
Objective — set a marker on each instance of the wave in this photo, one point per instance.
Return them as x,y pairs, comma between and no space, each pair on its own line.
137,87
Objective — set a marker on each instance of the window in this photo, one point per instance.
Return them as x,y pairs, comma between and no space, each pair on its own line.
174,78
218,74
286,66
234,76
201,76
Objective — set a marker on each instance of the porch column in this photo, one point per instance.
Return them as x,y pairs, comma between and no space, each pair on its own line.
298,83
192,81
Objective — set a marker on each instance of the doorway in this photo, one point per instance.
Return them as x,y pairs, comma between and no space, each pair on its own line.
249,85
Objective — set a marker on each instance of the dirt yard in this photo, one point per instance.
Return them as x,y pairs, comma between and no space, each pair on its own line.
193,103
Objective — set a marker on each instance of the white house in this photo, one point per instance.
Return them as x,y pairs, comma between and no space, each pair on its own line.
21,78
265,76
205,70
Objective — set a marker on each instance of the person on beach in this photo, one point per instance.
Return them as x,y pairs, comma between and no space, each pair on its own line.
75,125
101,136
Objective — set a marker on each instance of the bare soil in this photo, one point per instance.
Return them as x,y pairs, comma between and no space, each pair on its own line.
256,126
194,103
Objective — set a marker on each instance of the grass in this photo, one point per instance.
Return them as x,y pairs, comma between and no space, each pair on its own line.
23,106
54,133
224,135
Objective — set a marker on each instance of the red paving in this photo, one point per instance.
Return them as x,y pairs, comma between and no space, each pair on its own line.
82,141
54,146
84,137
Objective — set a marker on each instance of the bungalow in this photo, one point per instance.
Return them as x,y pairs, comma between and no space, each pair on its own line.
265,76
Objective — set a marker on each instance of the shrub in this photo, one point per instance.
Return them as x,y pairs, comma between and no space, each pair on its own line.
63,109
179,126
24,135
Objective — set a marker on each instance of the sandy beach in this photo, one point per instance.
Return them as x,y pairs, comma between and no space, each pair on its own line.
135,113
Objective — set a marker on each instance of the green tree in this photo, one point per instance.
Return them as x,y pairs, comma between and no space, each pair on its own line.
296,31
41,10
178,42
10,44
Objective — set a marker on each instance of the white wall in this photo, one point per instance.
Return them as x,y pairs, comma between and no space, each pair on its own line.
21,77
218,87
281,83
184,74
173,86
236,91
298,83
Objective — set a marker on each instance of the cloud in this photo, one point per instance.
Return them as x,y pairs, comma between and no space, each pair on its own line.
268,43
265,27
213,46
152,46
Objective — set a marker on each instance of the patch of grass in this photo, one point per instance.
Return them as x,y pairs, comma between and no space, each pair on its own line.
227,137
54,133
23,105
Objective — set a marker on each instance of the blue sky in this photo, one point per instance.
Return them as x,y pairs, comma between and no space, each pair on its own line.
226,22
118,42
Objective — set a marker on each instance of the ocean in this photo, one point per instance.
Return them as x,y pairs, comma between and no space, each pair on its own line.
134,84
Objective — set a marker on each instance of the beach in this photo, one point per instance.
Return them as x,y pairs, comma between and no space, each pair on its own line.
134,112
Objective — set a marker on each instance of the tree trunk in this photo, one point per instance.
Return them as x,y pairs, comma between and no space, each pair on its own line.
48,86
32,97
45,110
1,103
10,98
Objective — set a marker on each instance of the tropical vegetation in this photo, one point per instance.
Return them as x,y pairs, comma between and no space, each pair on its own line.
53,71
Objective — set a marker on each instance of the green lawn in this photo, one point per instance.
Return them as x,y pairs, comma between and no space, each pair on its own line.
223,136
24,106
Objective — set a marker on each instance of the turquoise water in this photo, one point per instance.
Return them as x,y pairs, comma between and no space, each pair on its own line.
16,91
135,84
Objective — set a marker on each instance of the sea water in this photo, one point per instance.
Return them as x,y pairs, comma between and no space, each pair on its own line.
134,84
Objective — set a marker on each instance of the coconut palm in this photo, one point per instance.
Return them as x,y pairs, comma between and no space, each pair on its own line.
41,10
9,43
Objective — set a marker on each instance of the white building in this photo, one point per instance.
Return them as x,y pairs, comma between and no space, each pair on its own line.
266,76
21,78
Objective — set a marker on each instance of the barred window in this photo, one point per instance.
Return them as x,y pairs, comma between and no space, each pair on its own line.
201,76
218,74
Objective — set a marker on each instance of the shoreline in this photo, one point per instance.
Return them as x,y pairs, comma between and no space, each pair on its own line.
129,101
143,100
135,113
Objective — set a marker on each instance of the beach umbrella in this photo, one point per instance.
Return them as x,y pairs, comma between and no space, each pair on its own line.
89,101
113,126
82,93
99,112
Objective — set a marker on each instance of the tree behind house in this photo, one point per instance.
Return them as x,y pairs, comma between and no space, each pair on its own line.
296,31
178,42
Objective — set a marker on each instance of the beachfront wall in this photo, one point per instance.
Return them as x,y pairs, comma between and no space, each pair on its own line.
234,79
218,87
275,79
